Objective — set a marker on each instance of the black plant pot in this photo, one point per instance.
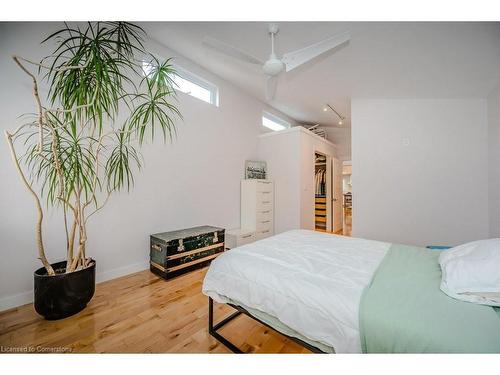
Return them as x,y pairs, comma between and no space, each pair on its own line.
65,294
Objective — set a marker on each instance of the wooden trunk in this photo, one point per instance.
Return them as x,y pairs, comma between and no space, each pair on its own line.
177,252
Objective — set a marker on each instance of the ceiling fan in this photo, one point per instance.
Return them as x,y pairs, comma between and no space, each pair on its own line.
274,65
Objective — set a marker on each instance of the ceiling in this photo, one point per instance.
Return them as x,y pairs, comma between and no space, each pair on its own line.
382,60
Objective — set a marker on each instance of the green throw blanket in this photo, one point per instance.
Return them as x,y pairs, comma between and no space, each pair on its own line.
404,311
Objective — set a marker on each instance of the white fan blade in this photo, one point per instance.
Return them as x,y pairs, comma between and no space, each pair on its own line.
301,56
231,51
271,85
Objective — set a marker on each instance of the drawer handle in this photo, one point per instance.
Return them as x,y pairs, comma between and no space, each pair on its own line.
248,235
265,221
156,247
266,202
266,212
265,192
264,182
265,231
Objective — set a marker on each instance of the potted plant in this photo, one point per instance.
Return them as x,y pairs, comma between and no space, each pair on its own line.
75,151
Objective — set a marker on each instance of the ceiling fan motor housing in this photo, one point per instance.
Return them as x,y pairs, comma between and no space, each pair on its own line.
273,66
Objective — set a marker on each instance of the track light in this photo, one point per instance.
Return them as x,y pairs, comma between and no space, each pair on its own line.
341,118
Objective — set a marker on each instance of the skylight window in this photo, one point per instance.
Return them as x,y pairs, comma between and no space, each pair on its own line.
273,122
188,87
190,84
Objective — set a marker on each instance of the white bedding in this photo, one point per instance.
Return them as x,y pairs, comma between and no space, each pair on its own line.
312,282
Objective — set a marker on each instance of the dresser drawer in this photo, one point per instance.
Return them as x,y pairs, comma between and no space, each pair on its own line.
264,186
265,195
264,205
264,224
239,237
260,234
264,215
245,238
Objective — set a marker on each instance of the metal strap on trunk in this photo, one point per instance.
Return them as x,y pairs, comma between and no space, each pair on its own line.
187,253
181,245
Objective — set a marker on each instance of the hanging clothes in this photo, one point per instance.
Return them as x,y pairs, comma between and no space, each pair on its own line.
323,183
320,179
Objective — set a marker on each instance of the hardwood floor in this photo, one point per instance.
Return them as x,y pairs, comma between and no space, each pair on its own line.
347,228
140,313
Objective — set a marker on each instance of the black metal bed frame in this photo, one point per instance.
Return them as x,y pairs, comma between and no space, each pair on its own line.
212,329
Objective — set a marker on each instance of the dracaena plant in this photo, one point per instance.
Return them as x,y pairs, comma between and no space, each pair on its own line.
82,143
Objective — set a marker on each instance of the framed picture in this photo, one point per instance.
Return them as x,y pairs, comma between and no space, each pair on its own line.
255,170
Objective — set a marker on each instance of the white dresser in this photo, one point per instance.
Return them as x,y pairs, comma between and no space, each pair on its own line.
257,207
257,213
238,237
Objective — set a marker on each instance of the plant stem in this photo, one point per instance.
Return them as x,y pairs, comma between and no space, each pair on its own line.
71,243
39,238
37,99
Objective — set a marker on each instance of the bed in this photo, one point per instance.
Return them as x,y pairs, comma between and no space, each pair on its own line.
338,294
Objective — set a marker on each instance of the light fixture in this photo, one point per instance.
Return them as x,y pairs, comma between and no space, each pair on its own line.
341,118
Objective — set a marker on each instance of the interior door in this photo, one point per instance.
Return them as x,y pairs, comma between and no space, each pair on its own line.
329,194
337,195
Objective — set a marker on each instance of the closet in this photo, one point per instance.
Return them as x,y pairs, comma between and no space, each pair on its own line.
292,164
320,212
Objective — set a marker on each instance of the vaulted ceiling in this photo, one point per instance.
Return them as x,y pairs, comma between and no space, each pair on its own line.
382,60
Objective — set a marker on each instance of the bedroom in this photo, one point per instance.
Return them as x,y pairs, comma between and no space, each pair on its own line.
185,185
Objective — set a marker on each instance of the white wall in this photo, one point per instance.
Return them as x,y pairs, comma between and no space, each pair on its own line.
281,151
494,161
290,162
416,167
193,181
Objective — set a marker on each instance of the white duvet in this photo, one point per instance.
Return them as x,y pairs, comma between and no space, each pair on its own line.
312,282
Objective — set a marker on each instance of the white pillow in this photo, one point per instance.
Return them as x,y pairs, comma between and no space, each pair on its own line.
471,272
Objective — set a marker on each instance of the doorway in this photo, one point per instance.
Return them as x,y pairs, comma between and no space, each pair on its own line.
321,179
328,200
347,197
337,196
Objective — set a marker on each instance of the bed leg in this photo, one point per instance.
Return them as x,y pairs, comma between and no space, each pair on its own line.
212,329
210,315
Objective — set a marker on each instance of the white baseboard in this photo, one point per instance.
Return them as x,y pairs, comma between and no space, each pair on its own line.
121,271
15,300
